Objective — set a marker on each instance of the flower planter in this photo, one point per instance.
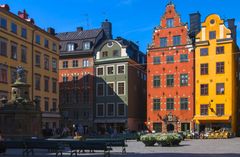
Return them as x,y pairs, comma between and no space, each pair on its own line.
149,143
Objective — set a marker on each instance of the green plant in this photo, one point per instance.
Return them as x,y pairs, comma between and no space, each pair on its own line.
148,139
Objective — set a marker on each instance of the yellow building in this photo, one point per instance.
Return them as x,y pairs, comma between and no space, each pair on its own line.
215,85
22,43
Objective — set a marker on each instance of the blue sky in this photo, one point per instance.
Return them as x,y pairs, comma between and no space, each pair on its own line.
131,19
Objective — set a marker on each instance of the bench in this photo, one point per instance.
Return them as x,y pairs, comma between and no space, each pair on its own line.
111,142
52,146
75,146
15,145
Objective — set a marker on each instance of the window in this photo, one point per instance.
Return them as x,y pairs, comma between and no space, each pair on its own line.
170,103
184,103
65,79
75,63
157,127
183,79
110,89
37,59
170,59
220,67
121,109
65,64
14,50
204,69
75,78
3,73
13,28
163,42
219,109
100,89
204,89
99,71
85,96
24,54
110,70
204,109
220,50
46,84
170,22
85,63
54,64
116,53
85,80
38,39
220,88
70,47
204,52
46,43
54,105
156,104
54,85
170,80
110,110
46,105
86,46
156,60
104,54
37,81
3,47
185,126
54,47
121,88
100,110
24,33
46,62
176,40
212,35
183,57
121,69
3,23
13,75
156,81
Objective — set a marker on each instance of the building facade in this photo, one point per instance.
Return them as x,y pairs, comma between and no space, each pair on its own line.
120,87
216,87
22,43
76,74
170,75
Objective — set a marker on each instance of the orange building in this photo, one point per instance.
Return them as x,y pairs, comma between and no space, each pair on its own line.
170,76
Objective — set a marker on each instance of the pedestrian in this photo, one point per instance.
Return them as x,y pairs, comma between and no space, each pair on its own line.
2,145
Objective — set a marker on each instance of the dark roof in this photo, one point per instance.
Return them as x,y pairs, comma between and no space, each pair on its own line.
79,35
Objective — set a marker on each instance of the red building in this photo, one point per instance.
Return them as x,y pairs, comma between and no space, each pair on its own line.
170,76
76,74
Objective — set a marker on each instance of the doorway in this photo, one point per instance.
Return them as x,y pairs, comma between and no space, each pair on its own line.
170,128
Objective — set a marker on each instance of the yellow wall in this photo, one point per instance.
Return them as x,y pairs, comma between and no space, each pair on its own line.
228,77
30,67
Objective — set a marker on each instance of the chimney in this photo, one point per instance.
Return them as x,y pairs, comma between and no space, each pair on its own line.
51,30
233,28
107,27
5,6
23,14
79,29
195,23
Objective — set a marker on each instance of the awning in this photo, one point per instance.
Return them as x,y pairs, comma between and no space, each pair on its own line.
212,118
110,120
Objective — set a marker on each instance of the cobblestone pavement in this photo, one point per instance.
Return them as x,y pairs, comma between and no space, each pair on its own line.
187,148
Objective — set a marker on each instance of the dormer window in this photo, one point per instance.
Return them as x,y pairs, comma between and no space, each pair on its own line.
86,46
70,47
169,23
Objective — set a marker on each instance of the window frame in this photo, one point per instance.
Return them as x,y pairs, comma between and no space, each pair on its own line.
107,89
103,106
167,80
124,69
103,90
100,67
109,66
110,103
171,105
124,90
124,109
156,104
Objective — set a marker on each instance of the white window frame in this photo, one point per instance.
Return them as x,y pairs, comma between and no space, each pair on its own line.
124,110
124,87
97,71
107,70
113,109
97,90
70,47
86,45
98,104
124,69
113,88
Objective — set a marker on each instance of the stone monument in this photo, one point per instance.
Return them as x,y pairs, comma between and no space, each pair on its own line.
20,117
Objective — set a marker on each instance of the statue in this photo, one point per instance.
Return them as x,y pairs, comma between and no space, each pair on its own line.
20,73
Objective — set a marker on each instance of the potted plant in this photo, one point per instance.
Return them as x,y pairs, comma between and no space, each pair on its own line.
148,140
